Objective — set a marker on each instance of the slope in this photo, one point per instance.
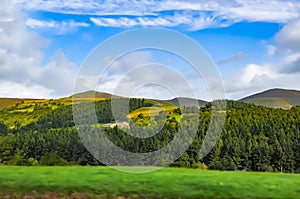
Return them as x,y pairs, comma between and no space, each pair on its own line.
276,98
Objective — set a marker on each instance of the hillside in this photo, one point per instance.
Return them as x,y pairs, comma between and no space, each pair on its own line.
15,111
22,112
276,98
184,100
87,94
7,102
253,137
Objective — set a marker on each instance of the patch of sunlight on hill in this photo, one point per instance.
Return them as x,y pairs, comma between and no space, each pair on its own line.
151,111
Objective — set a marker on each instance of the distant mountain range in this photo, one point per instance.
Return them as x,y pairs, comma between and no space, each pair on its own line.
276,98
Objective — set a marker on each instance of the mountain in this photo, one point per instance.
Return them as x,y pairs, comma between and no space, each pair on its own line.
103,95
184,101
87,94
276,98
78,97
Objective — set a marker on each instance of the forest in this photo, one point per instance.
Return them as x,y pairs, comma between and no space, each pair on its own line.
253,138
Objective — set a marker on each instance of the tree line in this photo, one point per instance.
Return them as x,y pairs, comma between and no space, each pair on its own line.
254,138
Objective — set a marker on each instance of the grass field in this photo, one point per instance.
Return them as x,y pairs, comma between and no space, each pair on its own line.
151,111
104,182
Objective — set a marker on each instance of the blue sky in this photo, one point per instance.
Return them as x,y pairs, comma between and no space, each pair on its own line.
255,44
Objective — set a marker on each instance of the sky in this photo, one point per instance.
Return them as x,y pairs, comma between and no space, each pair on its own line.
255,45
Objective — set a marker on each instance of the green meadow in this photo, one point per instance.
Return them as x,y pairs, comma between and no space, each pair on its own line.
105,182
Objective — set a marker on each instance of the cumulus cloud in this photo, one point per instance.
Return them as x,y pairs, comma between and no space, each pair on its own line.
24,90
59,75
257,77
161,82
120,64
289,36
140,74
21,53
290,63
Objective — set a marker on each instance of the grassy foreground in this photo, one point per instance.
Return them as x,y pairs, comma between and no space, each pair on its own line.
104,182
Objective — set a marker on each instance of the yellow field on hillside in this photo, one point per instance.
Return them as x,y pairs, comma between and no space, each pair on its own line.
152,111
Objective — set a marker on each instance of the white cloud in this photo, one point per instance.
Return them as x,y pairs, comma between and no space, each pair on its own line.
24,90
90,6
21,53
193,21
268,11
197,14
138,21
289,36
153,85
245,77
237,57
290,63
117,65
139,74
271,49
254,77
55,26
58,75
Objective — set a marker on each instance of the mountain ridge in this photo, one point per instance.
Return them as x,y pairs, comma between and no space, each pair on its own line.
276,98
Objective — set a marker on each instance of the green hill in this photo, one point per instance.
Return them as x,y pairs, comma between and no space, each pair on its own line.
253,137
7,102
185,101
276,98
88,94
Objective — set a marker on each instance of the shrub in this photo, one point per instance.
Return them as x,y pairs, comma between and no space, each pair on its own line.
52,159
199,165
225,164
33,162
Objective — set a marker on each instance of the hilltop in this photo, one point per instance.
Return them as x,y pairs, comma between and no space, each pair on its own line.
276,98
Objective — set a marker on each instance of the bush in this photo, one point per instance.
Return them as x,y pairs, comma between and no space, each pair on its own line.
180,164
52,159
27,162
177,111
3,129
199,165
217,165
33,162
225,164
